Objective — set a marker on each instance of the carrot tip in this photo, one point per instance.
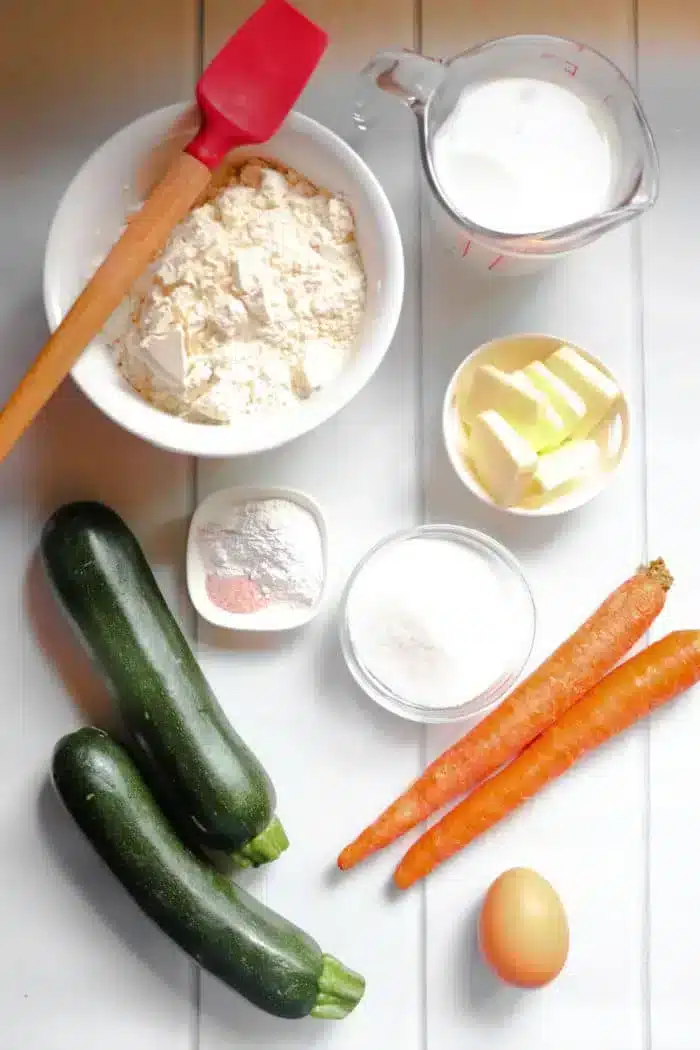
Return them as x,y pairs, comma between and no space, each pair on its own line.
407,872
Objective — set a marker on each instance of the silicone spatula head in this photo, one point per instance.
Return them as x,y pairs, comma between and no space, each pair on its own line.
251,85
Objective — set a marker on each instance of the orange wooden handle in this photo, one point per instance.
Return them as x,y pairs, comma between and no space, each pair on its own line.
145,235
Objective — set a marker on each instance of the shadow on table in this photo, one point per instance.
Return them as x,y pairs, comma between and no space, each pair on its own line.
234,1020
485,995
102,892
62,651
227,640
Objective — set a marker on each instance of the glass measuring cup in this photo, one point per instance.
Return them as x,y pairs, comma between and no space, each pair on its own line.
432,88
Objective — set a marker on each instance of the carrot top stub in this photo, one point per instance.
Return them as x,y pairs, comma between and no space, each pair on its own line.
656,570
539,700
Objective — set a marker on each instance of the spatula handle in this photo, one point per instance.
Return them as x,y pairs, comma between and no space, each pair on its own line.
145,235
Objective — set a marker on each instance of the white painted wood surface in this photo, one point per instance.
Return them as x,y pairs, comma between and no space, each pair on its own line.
80,967
586,834
331,754
616,836
669,73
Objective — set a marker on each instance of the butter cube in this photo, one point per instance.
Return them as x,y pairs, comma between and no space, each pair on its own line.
597,390
502,459
570,405
517,400
560,470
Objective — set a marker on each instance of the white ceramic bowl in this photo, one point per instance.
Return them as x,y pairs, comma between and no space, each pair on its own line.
509,354
215,508
113,181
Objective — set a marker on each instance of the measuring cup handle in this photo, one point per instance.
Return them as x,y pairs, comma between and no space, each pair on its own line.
408,75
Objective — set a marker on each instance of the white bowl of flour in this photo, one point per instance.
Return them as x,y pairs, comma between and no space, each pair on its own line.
112,183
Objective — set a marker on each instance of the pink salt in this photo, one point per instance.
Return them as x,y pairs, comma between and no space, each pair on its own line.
235,594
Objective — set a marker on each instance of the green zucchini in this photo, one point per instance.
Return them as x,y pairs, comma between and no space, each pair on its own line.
182,738
265,958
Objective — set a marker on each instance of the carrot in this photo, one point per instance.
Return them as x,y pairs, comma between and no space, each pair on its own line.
576,666
633,690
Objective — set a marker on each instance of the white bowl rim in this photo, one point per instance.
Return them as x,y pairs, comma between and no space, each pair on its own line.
202,439
247,621
584,493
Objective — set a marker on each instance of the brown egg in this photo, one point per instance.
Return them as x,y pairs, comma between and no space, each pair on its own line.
523,930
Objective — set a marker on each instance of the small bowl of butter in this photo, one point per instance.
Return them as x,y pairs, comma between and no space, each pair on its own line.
535,425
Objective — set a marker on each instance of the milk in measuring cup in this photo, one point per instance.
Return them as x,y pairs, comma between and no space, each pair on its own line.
520,155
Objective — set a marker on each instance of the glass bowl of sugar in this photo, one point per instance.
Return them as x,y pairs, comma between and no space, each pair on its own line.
437,623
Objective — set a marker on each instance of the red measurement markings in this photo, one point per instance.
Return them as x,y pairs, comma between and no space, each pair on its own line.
496,261
569,67
465,249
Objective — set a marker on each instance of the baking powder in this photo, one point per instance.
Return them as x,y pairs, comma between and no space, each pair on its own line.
266,552
427,619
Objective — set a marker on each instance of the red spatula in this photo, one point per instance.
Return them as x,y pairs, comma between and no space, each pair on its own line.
244,96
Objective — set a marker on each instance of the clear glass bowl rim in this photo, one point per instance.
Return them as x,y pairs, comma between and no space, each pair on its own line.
477,705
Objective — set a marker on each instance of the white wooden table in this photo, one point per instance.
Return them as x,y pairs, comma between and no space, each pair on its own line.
617,837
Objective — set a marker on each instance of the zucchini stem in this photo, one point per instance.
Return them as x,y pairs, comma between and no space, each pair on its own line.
339,990
265,847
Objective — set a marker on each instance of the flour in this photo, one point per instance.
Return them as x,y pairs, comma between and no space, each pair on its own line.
266,551
426,619
255,303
